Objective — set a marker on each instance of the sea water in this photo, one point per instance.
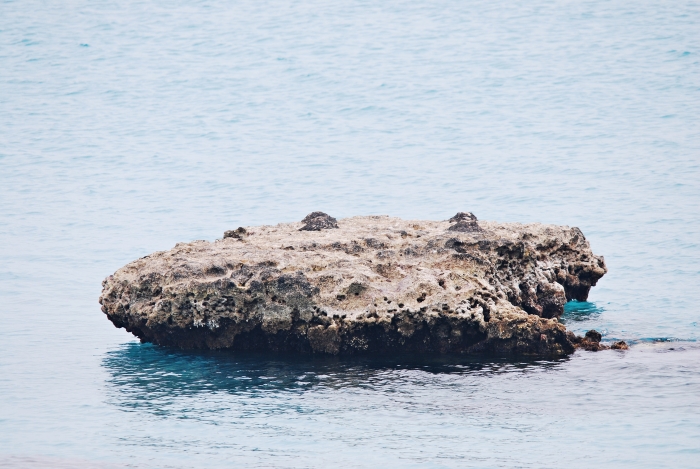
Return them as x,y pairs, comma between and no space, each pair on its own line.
128,126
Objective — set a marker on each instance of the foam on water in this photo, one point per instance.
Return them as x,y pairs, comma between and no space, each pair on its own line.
126,127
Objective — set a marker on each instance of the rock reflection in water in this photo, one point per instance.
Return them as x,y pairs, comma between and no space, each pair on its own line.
211,409
146,377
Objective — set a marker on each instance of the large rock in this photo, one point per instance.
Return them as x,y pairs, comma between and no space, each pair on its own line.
361,284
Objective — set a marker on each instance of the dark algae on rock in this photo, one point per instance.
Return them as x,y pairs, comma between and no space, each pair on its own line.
465,222
363,285
317,221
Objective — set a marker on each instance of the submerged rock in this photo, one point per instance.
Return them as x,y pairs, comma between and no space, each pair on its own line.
361,284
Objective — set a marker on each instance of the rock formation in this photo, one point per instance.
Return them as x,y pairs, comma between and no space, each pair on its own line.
591,342
362,284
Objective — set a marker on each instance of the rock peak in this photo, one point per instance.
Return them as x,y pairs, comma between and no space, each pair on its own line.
463,216
465,222
317,221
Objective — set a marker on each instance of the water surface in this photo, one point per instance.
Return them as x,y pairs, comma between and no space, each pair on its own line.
126,127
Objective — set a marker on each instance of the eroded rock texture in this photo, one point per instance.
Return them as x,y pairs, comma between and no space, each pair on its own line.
361,284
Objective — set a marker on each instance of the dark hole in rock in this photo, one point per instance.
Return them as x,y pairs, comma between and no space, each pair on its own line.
356,289
341,297
441,282
400,305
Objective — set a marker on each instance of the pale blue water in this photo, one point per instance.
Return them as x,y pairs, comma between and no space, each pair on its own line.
126,127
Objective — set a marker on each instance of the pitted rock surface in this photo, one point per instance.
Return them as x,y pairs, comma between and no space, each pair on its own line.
371,284
463,216
465,222
317,221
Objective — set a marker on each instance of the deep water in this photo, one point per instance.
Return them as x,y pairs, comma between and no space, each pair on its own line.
128,126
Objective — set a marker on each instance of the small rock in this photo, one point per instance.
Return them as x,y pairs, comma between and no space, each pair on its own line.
621,345
463,216
465,223
317,221
465,227
238,233
593,335
591,341
591,346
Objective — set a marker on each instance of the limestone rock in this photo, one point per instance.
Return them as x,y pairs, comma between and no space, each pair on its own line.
590,342
465,222
361,284
238,233
317,221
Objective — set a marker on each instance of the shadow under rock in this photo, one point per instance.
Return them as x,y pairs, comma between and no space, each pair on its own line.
142,374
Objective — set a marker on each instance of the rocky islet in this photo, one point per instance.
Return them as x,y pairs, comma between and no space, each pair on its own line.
367,284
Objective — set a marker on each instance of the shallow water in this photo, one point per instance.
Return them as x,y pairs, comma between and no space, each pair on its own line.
126,127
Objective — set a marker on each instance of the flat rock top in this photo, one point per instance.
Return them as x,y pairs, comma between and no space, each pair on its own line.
376,263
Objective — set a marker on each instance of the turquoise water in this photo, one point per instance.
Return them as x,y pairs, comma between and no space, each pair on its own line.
126,127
